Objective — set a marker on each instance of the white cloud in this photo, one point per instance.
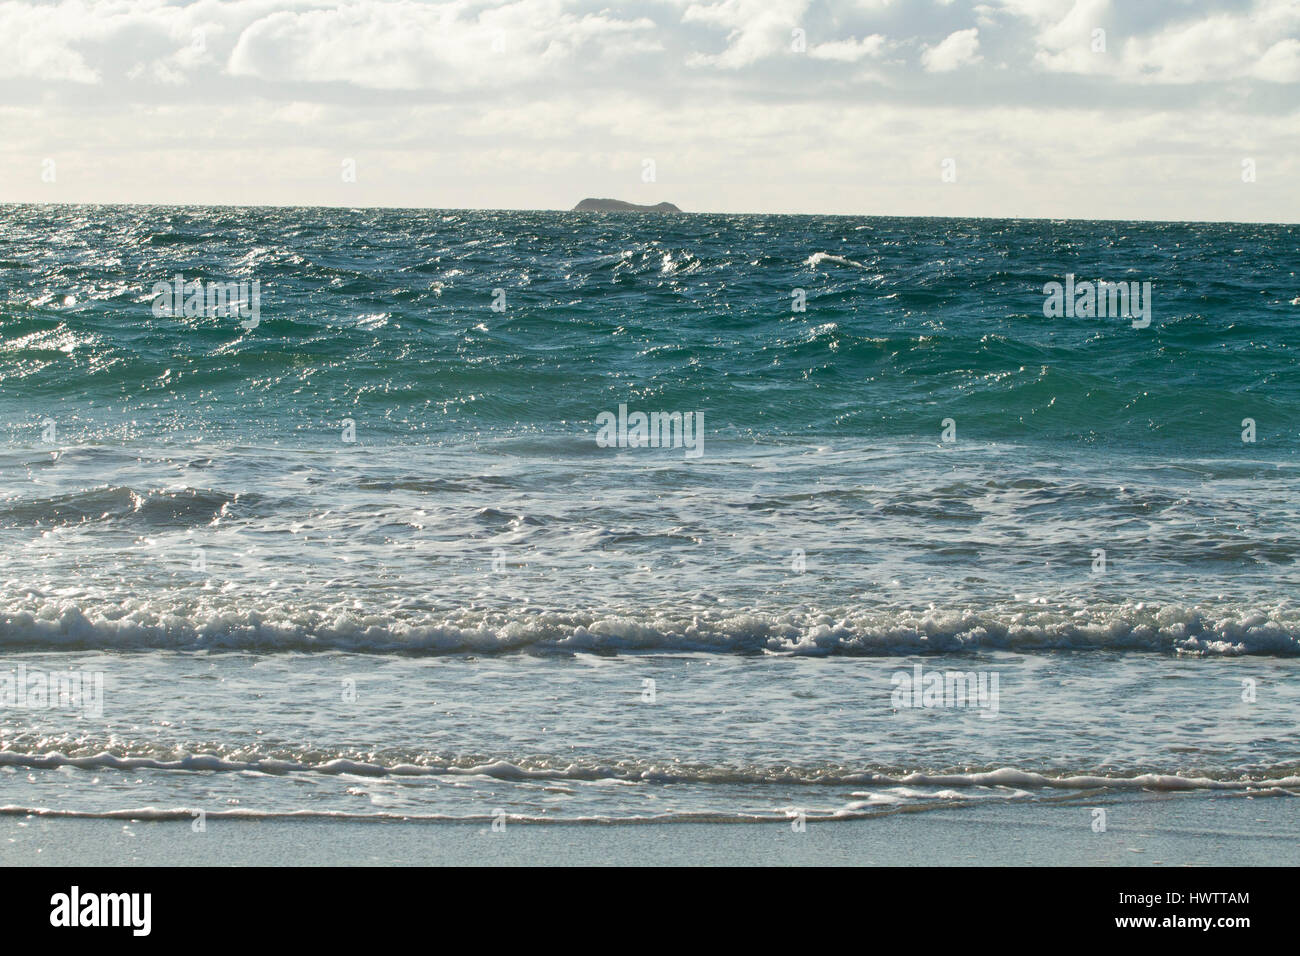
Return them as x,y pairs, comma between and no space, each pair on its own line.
1280,63
38,42
1218,48
850,50
1197,46
575,94
755,29
409,45
956,50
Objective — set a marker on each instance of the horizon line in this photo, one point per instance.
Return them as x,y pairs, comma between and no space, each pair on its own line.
381,206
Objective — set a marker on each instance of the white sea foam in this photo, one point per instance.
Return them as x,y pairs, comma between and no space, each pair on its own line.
48,622
1006,778
817,258
186,814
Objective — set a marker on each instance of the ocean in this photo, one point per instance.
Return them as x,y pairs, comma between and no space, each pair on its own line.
529,516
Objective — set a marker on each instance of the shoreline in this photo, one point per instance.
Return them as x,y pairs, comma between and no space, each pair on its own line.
1148,829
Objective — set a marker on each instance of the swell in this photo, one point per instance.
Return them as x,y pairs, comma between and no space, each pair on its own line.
185,507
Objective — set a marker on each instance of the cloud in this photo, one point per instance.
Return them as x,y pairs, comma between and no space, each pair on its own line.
407,45
467,46
38,42
539,102
1203,46
1218,48
956,50
1280,62
755,29
850,50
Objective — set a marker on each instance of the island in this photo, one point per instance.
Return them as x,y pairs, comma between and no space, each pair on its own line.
618,205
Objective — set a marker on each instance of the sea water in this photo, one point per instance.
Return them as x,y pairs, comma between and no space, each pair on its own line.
892,530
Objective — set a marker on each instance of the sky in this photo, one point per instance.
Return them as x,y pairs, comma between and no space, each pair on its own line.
1100,109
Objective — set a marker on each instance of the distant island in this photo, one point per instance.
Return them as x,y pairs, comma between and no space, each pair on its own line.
618,205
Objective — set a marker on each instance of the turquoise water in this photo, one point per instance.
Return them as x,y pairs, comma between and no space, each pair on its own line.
386,316
386,474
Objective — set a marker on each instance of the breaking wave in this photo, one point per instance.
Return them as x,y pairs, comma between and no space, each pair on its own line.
53,624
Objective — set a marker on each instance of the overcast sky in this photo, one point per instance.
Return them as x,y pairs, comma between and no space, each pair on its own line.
847,106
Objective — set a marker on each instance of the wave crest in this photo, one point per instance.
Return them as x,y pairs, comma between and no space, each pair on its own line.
50,623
